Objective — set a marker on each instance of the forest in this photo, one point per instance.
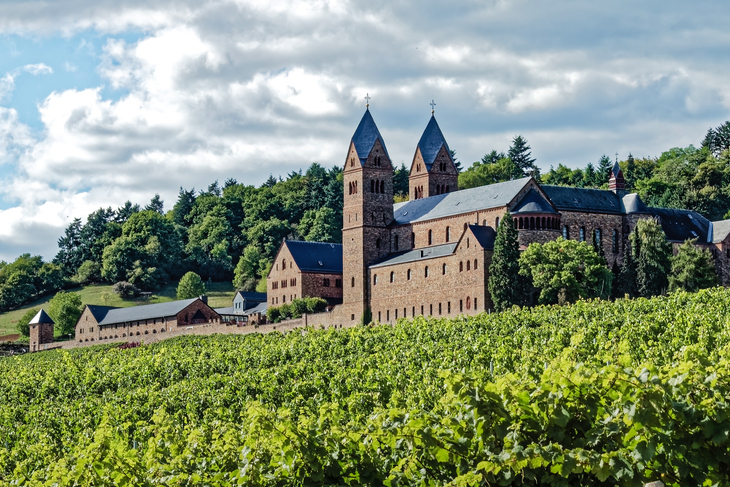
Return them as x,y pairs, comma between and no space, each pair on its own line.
230,232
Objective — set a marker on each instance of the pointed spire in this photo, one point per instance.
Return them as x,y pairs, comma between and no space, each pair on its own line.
365,136
431,142
616,182
41,317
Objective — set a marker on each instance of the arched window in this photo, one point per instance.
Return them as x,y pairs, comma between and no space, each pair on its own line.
372,185
375,279
413,240
392,276
615,241
566,235
443,269
496,223
532,223
353,282
382,187
426,272
430,237
395,243
447,188
467,242
377,242
597,235
475,264
582,234
283,264
448,234
461,267
543,224
520,223
408,274
468,265
468,302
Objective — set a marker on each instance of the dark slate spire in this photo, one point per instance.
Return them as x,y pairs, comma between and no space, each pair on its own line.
41,317
365,136
616,182
431,142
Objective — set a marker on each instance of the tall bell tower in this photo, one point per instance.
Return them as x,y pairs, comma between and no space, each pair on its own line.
367,211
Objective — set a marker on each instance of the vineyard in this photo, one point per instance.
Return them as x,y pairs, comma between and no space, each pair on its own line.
595,393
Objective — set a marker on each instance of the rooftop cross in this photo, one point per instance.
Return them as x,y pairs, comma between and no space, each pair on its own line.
617,157
432,105
367,100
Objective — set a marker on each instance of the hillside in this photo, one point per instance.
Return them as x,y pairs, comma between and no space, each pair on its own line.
595,393
220,294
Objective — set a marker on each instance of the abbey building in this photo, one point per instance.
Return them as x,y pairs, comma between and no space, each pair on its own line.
431,255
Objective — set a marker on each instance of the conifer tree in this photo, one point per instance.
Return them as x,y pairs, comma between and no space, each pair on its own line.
626,285
692,268
603,171
630,171
519,153
506,286
653,259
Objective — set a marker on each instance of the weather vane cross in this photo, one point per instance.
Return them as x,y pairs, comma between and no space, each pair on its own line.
617,157
432,105
367,100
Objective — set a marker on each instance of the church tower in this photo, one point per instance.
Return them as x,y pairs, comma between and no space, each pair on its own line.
433,171
368,209
616,182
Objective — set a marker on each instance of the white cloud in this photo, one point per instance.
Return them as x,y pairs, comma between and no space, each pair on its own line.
246,88
36,69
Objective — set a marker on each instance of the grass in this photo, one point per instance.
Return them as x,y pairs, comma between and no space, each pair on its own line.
220,295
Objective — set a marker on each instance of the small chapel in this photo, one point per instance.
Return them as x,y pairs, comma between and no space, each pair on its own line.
431,254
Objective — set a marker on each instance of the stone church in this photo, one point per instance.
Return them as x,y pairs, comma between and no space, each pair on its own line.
431,255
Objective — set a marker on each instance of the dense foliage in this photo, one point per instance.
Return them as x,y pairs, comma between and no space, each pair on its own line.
506,286
594,393
190,286
65,309
295,309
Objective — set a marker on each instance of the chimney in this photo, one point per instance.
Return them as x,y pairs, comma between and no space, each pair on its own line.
204,298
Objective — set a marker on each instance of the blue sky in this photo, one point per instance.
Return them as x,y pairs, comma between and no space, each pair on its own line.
106,101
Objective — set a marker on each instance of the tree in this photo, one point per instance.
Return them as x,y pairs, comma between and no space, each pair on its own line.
626,285
70,255
65,309
88,272
183,206
457,163
565,271
492,157
261,287
24,322
190,286
603,172
320,226
400,180
506,284
630,172
717,140
481,174
125,212
653,261
692,268
156,204
519,153
249,269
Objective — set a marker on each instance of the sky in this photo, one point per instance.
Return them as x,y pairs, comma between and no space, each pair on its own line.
104,101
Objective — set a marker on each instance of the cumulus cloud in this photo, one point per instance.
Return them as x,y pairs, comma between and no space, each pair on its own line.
246,88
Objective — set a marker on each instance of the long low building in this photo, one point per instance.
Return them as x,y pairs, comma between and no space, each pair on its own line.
106,323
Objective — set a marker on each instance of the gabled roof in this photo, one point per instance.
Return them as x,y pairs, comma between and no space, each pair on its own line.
431,142
583,199
533,202
416,255
631,203
251,295
484,235
464,201
720,230
136,313
41,317
365,136
316,256
616,170
680,225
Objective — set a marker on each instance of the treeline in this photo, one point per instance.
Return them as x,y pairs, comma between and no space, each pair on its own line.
228,232
686,178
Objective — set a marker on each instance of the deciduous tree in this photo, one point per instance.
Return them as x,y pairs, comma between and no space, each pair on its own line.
692,268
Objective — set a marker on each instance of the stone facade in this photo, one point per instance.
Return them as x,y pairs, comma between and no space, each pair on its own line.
89,331
41,334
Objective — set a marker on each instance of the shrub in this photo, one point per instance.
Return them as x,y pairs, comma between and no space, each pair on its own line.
65,309
191,286
23,326
125,290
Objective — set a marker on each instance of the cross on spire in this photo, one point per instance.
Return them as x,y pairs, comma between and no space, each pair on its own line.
367,100
617,157
432,105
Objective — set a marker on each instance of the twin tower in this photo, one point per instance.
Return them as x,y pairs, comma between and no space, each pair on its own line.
368,200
